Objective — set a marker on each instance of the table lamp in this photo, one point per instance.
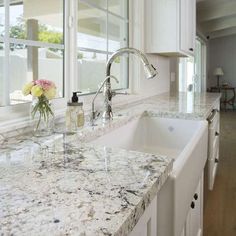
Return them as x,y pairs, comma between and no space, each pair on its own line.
218,72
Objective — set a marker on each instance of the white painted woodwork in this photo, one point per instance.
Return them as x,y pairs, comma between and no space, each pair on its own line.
194,222
213,150
216,11
219,24
216,18
170,27
146,225
223,33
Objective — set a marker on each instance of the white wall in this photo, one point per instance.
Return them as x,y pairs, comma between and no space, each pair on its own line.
222,53
139,84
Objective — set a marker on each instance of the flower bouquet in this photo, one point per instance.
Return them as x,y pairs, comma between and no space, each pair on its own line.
41,111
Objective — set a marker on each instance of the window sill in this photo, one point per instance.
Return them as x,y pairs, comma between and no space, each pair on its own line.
16,126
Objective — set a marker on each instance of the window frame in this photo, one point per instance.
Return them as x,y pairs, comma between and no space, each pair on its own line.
7,40
20,112
74,18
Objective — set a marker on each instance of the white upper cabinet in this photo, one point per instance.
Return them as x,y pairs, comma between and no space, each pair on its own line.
170,27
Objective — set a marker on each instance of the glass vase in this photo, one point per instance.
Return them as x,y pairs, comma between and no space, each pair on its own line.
42,115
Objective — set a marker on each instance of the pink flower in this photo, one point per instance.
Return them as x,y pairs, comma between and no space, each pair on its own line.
45,84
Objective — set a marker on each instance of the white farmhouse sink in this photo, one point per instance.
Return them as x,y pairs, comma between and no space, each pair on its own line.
183,140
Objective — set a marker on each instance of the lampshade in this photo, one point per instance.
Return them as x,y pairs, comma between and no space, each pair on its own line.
218,71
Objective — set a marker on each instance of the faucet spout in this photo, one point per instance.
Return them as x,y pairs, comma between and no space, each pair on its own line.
149,68
107,92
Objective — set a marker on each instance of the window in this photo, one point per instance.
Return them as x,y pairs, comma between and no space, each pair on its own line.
34,38
186,74
31,46
192,70
102,29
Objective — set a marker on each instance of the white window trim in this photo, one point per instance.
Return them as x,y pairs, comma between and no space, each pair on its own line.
18,115
136,29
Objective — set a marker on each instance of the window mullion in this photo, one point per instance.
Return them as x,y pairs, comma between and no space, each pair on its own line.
107,30
72,78
6,80
34,43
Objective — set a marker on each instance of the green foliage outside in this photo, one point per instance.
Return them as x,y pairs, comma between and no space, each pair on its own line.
80,55
44,33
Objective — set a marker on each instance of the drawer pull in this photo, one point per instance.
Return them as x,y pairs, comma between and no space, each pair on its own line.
195,196
192,205
216,161
212,116
217,133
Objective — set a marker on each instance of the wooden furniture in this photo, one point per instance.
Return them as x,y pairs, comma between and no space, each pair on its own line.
228,95
227,99
170,27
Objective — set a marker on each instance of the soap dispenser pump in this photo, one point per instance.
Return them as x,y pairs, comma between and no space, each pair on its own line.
75,97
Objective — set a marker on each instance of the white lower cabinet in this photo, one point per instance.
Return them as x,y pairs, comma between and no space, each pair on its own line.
194,221
193,226
147,224
213,147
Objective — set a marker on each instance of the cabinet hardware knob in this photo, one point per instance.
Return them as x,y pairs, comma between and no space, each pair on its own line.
216,110
216,161
191,49
217,133
192,205
195,196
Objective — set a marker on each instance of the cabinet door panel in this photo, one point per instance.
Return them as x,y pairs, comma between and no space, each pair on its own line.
184,25
194,220
147,224
197,212
191,25
187,25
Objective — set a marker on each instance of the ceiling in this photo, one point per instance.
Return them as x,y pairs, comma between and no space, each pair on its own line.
216,18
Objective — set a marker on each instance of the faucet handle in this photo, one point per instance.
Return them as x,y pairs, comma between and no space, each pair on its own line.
114,93
94,116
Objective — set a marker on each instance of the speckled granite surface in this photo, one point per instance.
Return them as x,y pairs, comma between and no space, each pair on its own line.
67,188
64,186
194,106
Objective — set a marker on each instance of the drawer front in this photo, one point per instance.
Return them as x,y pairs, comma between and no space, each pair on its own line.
212,168
213,138
213,149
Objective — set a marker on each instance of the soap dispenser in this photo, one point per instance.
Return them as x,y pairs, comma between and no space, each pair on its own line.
80,115
72,113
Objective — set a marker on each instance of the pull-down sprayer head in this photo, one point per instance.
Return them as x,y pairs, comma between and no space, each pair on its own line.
150,71
148,68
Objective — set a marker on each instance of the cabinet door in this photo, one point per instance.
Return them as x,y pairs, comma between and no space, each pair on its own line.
196,212
194,221
147,224
191,25
187,26
184,25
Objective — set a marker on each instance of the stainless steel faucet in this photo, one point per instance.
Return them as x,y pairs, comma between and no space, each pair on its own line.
93,115
108,94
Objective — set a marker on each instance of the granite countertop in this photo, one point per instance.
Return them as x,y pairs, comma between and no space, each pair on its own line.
194,106
64,185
